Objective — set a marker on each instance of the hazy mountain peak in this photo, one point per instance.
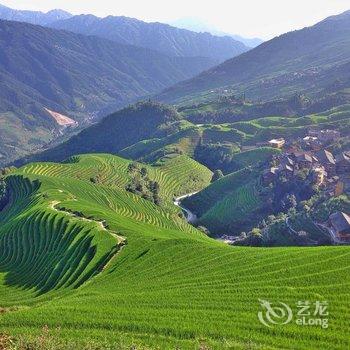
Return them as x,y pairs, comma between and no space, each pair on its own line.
34,17
345,15
59,12
198,25
164,38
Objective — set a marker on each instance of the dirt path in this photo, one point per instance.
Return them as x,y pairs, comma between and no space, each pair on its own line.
100,224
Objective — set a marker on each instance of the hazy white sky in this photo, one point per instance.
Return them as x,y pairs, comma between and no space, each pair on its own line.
262,18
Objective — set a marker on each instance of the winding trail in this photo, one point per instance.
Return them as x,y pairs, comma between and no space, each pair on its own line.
121,241
101,224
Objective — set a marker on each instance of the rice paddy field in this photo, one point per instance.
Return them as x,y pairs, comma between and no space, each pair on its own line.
228,204
94,264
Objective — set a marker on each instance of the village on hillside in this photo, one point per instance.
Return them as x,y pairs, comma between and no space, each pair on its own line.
310,157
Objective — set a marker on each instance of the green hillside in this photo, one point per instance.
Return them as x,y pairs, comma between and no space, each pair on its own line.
135,123
148,131
229,205
80,77
87,262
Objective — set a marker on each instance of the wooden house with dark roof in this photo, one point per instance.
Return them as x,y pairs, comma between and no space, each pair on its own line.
269,175
327,160
304,160
343,163
340,223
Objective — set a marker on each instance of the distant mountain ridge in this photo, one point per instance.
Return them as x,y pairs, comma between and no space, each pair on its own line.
156,36
307,60
197,25
33,17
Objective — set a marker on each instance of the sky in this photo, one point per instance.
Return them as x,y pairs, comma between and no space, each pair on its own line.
249,18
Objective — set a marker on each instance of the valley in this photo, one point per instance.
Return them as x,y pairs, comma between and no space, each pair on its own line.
165,265
128,284
83,78
168,189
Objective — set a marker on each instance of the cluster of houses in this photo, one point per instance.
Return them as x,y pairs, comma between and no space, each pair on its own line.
325,168
329,172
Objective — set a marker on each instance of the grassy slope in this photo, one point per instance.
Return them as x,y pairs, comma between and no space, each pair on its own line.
266,128
170,285
184,141
229,204
187,137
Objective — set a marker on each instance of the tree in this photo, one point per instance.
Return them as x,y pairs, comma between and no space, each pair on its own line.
143,172
3,193
291,201
132,167
256,232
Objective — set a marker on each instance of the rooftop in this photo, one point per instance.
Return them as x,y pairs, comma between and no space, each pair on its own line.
344,156
340,221
325,156
304,158
277,141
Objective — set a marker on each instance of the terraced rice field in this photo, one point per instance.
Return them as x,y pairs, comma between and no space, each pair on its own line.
93,262
233,210
211,195
185,140
181,175
228,203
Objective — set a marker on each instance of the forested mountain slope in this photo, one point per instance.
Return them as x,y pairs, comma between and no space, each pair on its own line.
156,36
312,59
77,76
119,130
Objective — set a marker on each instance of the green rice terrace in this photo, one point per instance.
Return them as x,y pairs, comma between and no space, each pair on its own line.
86,261
226,204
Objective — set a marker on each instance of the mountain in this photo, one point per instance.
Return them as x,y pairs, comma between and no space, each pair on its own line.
156,36
50,79
250,42
144,120
309,60
197,25
34,17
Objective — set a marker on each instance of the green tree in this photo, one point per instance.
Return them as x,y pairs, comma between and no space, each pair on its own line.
3,193
143,172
